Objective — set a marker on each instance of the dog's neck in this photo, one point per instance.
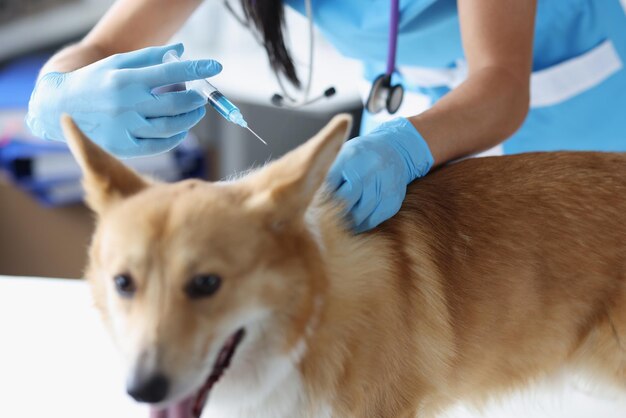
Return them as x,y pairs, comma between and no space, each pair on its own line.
361,301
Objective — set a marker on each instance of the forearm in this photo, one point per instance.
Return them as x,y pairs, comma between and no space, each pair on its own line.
73,57
480,113
129,25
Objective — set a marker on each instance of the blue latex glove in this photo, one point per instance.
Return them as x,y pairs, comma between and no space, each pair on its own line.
371,173
112,101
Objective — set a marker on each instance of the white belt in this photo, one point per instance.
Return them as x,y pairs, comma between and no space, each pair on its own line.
548,87
435,77
574,76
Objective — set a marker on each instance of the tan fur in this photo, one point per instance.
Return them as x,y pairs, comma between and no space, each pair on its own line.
496,271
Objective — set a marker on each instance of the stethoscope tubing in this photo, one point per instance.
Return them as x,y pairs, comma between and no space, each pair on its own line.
394,25
290,101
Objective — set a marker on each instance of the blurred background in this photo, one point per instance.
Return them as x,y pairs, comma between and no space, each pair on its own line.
44,229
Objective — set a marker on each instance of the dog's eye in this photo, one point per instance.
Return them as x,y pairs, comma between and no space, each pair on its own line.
203,285
124,285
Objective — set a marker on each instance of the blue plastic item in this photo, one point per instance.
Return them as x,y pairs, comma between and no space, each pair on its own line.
372,171
114,103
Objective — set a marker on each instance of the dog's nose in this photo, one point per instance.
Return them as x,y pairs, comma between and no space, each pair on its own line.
151,390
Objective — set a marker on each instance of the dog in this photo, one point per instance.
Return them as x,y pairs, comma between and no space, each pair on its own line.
253,298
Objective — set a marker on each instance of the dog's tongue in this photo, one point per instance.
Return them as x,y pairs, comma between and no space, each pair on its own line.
181,409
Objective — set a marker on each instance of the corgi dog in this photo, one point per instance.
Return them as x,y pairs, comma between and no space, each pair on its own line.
253,298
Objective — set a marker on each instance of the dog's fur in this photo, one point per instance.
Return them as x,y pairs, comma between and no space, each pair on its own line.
495,272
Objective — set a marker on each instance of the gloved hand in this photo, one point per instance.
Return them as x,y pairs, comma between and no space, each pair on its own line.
112,101
371,173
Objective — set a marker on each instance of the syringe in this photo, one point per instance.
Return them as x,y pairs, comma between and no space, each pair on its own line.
224,107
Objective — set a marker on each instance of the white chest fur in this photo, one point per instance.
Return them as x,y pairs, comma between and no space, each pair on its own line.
284,401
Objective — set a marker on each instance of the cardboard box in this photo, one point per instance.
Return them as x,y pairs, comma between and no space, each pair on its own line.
39,241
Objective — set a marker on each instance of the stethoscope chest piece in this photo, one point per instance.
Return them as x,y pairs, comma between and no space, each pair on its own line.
383,95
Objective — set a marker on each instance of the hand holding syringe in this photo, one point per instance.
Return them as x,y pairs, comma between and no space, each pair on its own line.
224,107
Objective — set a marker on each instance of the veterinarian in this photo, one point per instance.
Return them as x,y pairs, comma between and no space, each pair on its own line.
536,74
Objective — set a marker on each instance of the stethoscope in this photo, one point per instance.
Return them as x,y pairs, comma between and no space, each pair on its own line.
286,99
382,95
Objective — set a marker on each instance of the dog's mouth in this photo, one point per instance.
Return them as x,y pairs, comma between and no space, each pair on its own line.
192,407
221,364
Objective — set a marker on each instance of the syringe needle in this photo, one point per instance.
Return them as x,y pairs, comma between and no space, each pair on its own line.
255,134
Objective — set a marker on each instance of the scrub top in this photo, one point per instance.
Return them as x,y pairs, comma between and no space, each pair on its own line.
578,85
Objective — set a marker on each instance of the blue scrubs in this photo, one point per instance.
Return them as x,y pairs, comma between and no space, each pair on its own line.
579,71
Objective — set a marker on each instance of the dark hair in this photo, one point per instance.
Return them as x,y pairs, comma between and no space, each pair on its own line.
267,18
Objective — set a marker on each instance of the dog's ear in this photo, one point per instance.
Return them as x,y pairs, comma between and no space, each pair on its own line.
288,185
105,179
